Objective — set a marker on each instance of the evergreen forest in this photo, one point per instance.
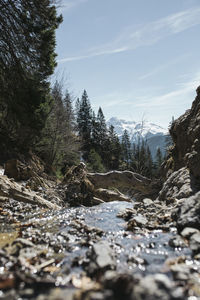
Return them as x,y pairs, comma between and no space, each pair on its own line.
44,119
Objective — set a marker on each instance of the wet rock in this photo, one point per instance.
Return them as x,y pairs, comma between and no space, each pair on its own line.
127,214
181,271
101,258
177,242
188,232
147,202
103,255
58,293
137,221
156,287
195,243
188,213
120,284
134,259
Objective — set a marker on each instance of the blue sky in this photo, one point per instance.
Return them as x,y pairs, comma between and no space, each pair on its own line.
137,59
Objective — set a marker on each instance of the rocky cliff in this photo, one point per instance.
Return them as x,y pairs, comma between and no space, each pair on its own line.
182,169
182,172
185,132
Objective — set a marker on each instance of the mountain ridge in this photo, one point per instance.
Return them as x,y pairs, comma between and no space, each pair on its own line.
154,134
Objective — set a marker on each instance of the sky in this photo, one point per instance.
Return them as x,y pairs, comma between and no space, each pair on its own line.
137,59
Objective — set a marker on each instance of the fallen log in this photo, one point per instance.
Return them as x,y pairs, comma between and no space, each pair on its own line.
121,179
13,190
110,195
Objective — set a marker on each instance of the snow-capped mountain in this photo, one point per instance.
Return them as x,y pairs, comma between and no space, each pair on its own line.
155,135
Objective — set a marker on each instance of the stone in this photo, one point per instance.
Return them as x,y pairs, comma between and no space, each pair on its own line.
103,255
188,213
140,220
195,243
156,287
147,202
120,284
177,242
181,271
188,232
177,186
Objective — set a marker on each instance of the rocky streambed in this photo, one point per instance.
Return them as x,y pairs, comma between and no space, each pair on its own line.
115,250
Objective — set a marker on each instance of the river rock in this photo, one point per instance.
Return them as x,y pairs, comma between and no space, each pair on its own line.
103,255
188,232
188,213
137,221
195,243
147,202
120,284
177,242
181,271
100,258
156,287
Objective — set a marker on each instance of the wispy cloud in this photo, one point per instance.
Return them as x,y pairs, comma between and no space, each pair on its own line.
146,35
69,4
182,92
164,66
112,99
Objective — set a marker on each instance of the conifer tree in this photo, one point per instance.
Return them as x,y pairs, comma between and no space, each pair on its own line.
68,111
113,148
84,122
126,148
102,126
58,142
159,158
27,59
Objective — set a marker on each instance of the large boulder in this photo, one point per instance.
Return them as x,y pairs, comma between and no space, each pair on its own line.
180,184
24,168
188,213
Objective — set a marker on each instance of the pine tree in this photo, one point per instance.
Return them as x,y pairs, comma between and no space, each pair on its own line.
68,111
95,162
126,148
27,59
58,142
84,121
100,133
113,148
159,158
149,163
141,161
102,127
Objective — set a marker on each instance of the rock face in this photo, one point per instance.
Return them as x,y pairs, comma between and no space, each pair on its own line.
182,169
188,213
180,184
185,134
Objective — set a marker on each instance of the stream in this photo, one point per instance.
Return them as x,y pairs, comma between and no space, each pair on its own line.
144,252
54,254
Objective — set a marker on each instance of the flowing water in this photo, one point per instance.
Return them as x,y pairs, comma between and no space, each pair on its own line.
143,252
